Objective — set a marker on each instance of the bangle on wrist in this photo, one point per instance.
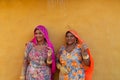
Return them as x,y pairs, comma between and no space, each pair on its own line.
49,61
86,57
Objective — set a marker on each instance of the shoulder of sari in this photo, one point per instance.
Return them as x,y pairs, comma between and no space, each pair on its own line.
29,46
62,47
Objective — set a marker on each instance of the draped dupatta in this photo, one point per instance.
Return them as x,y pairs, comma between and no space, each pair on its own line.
45,33
88,69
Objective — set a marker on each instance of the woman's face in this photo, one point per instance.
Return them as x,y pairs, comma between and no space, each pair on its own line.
70,38
39,36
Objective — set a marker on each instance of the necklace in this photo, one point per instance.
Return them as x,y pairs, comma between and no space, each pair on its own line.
70,48
40,46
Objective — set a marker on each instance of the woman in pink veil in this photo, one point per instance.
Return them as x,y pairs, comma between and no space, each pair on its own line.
39,61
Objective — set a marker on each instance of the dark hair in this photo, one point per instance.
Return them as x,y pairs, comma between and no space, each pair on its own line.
67,33
35,29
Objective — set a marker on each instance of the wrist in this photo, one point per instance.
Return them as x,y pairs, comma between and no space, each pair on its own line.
49,61
86,56
49,58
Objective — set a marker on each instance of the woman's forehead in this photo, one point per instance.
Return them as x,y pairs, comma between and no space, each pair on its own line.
37,30
69,33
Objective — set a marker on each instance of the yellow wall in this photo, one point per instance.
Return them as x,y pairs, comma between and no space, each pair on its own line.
97,22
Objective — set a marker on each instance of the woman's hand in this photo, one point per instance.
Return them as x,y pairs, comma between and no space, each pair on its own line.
62,69
49,53
22,77
84,47
85,54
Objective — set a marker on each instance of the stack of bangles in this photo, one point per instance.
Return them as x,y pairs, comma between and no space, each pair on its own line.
49,61
86,57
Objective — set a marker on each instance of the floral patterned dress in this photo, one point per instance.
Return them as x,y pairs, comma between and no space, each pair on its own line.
73,63
37,68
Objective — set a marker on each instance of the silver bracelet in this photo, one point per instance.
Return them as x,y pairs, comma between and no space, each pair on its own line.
86,57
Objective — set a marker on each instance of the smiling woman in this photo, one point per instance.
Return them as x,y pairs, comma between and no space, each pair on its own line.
74,59
39,36
97,21
39,61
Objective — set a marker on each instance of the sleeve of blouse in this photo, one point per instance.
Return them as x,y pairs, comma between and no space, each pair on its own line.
28,48
58,54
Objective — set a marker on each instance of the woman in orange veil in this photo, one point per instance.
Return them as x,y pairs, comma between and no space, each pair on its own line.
88,69
74,59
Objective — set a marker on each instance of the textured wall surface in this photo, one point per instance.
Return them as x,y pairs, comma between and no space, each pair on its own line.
97,22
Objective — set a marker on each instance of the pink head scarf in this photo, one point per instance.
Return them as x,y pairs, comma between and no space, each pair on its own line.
45,33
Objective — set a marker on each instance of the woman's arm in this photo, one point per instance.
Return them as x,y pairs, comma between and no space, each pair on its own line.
59,52
25,61
85,55
62,69
24,68
57,60
49,58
